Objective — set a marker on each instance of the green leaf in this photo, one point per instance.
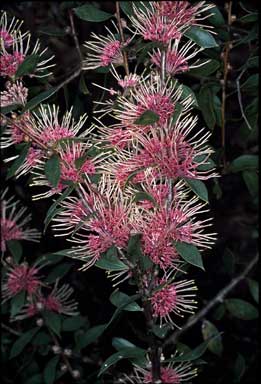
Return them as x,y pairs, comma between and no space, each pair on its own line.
241,309
251,84
189,253
42,338
201,37
74,323
244,162
194,354
52,31
22,342
198,187
27,66
216,17
120,343
17,302
254,289
141,196
251,180
9,108
50,370
14,246
206,104
39,99
187,91
147,118
88,12
53,321
206,69
161,331
126,7
52,210
124,353
210,164
90,336
177,112
239,368
215,345
133,248
110,261
250,18
58,272
35,379
18,162
219,312
118,298
52,170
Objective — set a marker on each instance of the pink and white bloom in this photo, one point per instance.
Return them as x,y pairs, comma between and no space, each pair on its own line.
9,30
174,298
15,93
21,278
163,21
103,50
177,59
14,222
14,54
171,374
59,300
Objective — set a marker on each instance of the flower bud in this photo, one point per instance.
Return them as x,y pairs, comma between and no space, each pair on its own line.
56,349
67,352
39,306
76,374
64,368
39,322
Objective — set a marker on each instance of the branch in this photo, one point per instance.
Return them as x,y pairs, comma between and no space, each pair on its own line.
240,100
75,38
11,330
125,57
217,299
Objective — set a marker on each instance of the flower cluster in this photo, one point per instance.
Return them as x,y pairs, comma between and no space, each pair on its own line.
16,47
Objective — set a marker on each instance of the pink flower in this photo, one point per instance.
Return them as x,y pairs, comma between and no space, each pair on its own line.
9,63
169,375
13,223
163,21
176,298
21,278
107,226
177,58
15,93
103,51
9,30
6,38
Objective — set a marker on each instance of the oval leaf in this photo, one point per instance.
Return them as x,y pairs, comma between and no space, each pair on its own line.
254,289
118,298
147,118
201,37
198,187
122,354
189,253
88,12
22,342
50,370
53,321
215,345
18,162
110,261
27,66
244,162
39,99
52,170
90,336
241,309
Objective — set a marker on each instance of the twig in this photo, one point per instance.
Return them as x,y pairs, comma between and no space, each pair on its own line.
240,100
125,57
224,83
69,79
75,38
11,330
217,299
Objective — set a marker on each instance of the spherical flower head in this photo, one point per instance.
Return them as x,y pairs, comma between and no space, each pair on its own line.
9,63
103,50
21,278
158,103
5,38
164,300
129,81
13,223
175,62
167,376
15,93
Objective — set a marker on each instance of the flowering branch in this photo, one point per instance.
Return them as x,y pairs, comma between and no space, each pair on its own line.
125,57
